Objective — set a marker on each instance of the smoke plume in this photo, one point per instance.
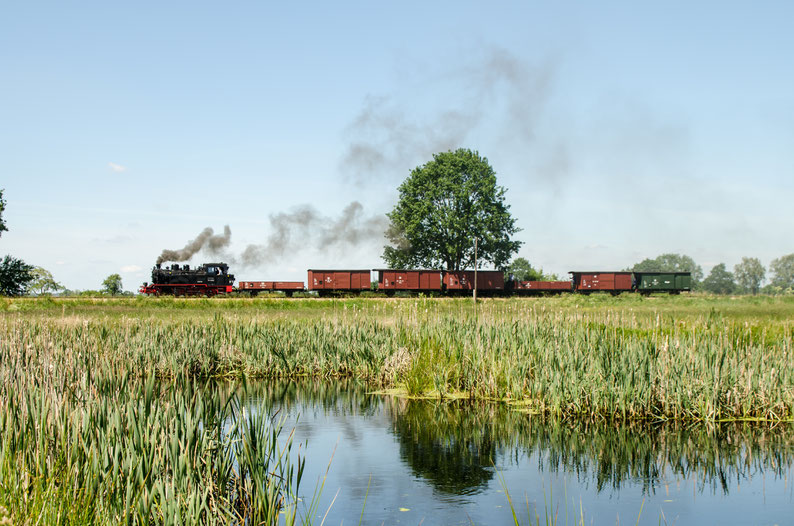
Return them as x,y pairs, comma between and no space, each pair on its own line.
498,96
290,231
205,240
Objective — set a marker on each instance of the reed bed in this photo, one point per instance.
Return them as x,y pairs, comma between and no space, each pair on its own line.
84,443
611,363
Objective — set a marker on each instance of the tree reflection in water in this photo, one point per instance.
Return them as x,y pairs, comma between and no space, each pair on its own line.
454,444
447,444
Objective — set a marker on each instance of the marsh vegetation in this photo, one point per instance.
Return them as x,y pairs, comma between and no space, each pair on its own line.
107,416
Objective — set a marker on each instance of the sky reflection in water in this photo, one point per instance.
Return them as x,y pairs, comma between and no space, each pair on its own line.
436,463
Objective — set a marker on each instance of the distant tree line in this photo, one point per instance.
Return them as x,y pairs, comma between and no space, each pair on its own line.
747,276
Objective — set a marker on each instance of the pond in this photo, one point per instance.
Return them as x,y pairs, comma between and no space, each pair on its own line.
456,462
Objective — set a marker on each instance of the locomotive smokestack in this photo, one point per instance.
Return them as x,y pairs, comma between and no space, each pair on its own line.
205,239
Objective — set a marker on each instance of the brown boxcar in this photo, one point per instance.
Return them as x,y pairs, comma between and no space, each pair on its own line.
341,280
464,280
410,280
288,285
255,285
590,281
543,286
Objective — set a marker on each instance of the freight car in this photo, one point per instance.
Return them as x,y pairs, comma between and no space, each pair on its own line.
394,280
596,281
326,282
671,282
527,288
451,282
209,279
489,282
255,287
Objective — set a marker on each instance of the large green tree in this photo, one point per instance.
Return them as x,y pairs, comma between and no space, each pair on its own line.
782,270
112,284
749,274
15,276
671,263
443,207
719,281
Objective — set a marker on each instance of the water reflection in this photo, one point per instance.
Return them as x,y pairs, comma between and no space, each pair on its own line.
453,448
454,444
451,445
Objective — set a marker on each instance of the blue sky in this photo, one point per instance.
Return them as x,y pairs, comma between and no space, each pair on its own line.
621,131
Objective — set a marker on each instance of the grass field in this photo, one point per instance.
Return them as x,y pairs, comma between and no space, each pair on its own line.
685,357
103,410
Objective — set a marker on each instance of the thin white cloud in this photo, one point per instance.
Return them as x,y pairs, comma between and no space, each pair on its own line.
130,268
117,167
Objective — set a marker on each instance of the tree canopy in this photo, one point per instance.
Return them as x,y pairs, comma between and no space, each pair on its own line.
671,263
443,207
522,270
43,282
15,275
3,227
719,281
782,270
112,284
749,274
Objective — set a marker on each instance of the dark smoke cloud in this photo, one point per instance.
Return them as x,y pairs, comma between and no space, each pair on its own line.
290,231
498,95
205,240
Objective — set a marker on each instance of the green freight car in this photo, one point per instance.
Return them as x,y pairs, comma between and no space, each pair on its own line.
670,282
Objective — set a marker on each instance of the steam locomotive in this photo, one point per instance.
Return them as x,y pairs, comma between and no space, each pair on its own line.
211,279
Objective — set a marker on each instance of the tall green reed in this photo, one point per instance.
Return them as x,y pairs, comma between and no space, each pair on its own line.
86,442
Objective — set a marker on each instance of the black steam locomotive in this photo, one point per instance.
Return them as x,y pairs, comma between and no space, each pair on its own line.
208,279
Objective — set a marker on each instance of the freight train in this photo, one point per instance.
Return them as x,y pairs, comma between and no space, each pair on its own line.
211,279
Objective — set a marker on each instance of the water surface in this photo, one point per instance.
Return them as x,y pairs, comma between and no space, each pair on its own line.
450,462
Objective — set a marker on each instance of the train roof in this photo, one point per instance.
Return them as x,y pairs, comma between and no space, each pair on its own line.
407,270
663,272
339,270
600,271
629,272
